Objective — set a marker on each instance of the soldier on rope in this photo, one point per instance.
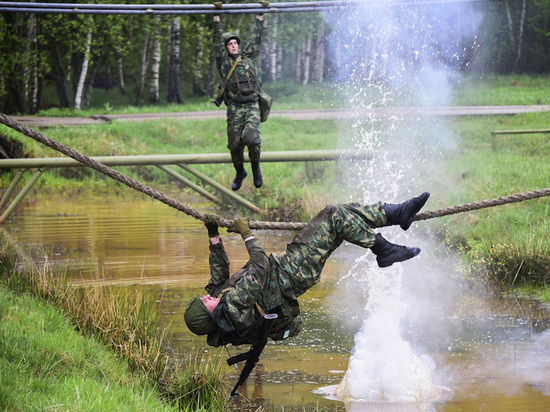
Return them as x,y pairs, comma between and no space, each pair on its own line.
234,308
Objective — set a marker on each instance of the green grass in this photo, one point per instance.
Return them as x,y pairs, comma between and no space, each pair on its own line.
490,90
40,317
46,364
512,241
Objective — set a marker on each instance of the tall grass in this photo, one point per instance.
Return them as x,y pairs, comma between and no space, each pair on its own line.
126,321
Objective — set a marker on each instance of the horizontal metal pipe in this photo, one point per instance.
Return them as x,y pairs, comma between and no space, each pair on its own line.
161,12
524,131
248,8
140,160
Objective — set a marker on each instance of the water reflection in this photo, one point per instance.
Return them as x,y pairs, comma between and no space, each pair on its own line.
495,355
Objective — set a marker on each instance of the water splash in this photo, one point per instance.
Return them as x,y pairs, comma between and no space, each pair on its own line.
405,55
383,366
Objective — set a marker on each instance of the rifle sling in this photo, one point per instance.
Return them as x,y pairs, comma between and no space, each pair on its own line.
222,90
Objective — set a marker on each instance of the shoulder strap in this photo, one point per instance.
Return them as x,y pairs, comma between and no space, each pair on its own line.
222,90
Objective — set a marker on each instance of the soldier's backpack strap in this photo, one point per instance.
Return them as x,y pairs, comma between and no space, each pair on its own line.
246,71
222,90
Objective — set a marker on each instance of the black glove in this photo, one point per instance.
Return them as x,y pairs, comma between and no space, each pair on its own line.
240,225
211,223
218,5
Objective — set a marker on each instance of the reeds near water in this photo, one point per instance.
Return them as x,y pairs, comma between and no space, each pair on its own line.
126,321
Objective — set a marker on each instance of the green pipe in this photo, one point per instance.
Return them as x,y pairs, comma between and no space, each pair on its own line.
11,188
221,188
190,184
21,195
204,158
524,131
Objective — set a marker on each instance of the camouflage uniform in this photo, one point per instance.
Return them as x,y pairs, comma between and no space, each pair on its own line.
241,96
273,283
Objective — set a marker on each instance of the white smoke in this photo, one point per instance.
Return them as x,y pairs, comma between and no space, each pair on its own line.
397,55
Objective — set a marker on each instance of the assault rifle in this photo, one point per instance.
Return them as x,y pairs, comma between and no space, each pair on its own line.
253,355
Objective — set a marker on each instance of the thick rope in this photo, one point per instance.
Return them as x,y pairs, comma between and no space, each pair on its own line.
188,210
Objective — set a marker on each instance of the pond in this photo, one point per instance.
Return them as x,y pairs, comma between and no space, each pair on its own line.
484,353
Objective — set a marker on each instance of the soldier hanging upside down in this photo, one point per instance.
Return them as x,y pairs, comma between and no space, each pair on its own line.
232,311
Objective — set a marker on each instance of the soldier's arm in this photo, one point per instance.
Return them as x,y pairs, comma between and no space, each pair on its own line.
239,306
255,45
219,266
217,41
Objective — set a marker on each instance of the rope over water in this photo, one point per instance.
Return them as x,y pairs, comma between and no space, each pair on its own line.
188,210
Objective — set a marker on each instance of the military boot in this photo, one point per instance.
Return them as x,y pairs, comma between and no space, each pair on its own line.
387,253
257,173
241,174
403,213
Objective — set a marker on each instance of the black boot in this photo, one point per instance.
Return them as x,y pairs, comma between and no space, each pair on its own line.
403,213
257,173
387,253
241,174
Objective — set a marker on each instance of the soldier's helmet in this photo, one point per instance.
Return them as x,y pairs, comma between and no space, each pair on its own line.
197,317
229,36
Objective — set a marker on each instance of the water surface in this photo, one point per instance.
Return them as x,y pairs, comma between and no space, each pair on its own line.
496,357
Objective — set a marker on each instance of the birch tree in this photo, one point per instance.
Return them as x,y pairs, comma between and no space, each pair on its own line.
84,70
144,63
173,94
154,95
516,42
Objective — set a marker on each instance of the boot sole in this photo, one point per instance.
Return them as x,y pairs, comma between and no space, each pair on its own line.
415,252
423,198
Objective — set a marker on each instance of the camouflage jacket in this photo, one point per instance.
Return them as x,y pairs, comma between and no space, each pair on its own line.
260,286
244,83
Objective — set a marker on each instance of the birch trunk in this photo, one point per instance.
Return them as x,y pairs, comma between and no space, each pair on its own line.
272,51
307,61
143,68
83,72
279,63
319,61
520,34
173,84
516,43
154,96
120,66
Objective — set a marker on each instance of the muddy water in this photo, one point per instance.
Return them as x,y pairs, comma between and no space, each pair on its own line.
497,358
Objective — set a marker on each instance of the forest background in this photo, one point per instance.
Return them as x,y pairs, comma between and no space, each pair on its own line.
56,60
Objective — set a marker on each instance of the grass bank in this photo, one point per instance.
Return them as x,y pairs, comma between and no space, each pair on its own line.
94,349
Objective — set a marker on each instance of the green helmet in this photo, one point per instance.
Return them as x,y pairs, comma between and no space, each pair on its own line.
198,318
229,36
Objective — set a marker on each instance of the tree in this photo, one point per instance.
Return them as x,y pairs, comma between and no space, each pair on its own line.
173,94
154,95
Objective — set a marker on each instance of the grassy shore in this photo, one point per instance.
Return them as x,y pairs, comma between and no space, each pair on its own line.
95,349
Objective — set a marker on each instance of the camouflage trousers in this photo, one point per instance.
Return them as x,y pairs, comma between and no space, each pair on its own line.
243,129
304,258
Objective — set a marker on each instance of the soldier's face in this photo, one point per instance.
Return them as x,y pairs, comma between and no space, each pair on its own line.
210,302
232,46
